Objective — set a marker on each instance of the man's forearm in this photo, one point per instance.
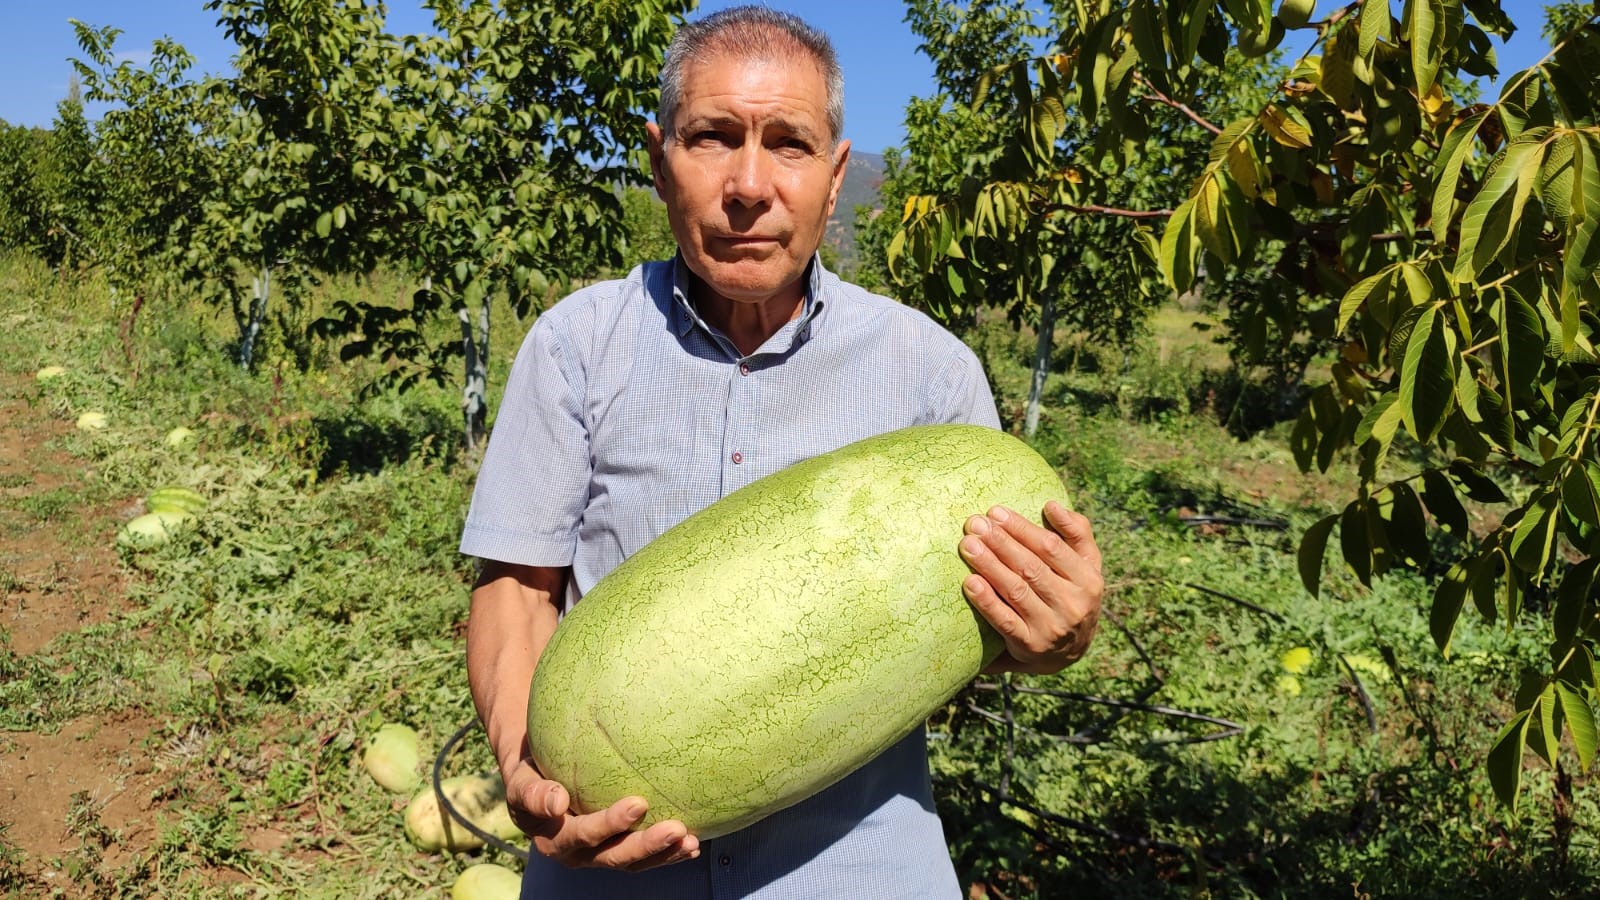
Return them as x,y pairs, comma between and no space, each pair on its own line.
514,612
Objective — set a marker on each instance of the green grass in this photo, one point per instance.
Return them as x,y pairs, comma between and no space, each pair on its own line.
320,595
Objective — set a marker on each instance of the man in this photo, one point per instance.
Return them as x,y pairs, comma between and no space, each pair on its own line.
632,404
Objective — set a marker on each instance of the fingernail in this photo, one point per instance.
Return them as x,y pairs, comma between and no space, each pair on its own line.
978,525
635,810
971,546
1000,514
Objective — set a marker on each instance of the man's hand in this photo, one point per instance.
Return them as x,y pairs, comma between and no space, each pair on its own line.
1039,587
542,808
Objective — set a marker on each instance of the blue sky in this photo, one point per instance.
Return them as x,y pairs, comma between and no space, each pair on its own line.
878,51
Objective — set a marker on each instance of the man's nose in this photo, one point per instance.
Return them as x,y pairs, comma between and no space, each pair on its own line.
749,181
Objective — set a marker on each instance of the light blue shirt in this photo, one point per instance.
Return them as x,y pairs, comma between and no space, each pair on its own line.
625,413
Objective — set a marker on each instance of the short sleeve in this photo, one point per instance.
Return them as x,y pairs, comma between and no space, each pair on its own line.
962,394
534,481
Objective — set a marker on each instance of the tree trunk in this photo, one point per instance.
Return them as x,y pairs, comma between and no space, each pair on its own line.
474,396
1041,362
1564,824
261,287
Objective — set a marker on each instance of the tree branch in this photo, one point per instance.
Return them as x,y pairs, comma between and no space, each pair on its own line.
1094,209
1163,99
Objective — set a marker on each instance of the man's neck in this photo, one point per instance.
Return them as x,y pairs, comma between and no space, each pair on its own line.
748,324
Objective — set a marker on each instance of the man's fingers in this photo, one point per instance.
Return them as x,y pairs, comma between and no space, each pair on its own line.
591,830
1020,560
546,798
1067,546
994,609
661,844
1075,529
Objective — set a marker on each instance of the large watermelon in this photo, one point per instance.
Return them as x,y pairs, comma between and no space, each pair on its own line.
772,643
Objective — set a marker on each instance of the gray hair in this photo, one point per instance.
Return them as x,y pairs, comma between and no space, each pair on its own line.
750,32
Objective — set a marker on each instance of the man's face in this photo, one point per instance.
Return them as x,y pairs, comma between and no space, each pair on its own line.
749,175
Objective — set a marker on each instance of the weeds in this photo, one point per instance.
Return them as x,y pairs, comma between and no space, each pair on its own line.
319,594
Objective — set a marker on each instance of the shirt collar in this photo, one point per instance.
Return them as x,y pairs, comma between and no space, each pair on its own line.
685,316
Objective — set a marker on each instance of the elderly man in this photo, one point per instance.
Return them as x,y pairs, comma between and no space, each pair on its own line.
634,403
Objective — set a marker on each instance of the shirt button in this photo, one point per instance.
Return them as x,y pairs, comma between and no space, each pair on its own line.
744,368
725,860
737,457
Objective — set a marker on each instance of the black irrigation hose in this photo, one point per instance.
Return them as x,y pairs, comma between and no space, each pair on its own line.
1275,616
1273,524
1361,694
449,810
1134,840
1228,727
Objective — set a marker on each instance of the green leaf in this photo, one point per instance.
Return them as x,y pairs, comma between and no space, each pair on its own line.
324,224
1177,247
1408,527
1425,32
1372,291
1375,26
1284,129
958,287
1477,485
1495,214
1556,178
1505,759
1440,496
1468,391
1545,739
1312,547
1580,723
1354,542
1485,581
1578,496
1223,144
1213,222
1453,154
1095,63
1380,422
1520,353
1427,376
1572,600
1582,253
1336,71
1418,286
1531,539
1448,598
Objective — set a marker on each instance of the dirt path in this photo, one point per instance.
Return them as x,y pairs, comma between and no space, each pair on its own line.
69,784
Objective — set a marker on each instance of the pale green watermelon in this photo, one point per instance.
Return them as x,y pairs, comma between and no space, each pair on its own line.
153,529
772,643
175,499
486,881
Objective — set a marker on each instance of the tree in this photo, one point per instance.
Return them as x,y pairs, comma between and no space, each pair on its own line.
67,184
1447,248
157,146
315,132
529,115
22,215
1014,197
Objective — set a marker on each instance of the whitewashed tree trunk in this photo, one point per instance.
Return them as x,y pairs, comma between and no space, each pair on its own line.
1041,362
474,395
260,288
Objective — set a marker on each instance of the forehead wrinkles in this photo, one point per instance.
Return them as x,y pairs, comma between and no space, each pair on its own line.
725,88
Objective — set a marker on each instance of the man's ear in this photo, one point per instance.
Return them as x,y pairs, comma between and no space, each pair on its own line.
656,145
841,161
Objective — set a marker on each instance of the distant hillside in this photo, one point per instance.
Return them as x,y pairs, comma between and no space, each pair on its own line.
861,181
